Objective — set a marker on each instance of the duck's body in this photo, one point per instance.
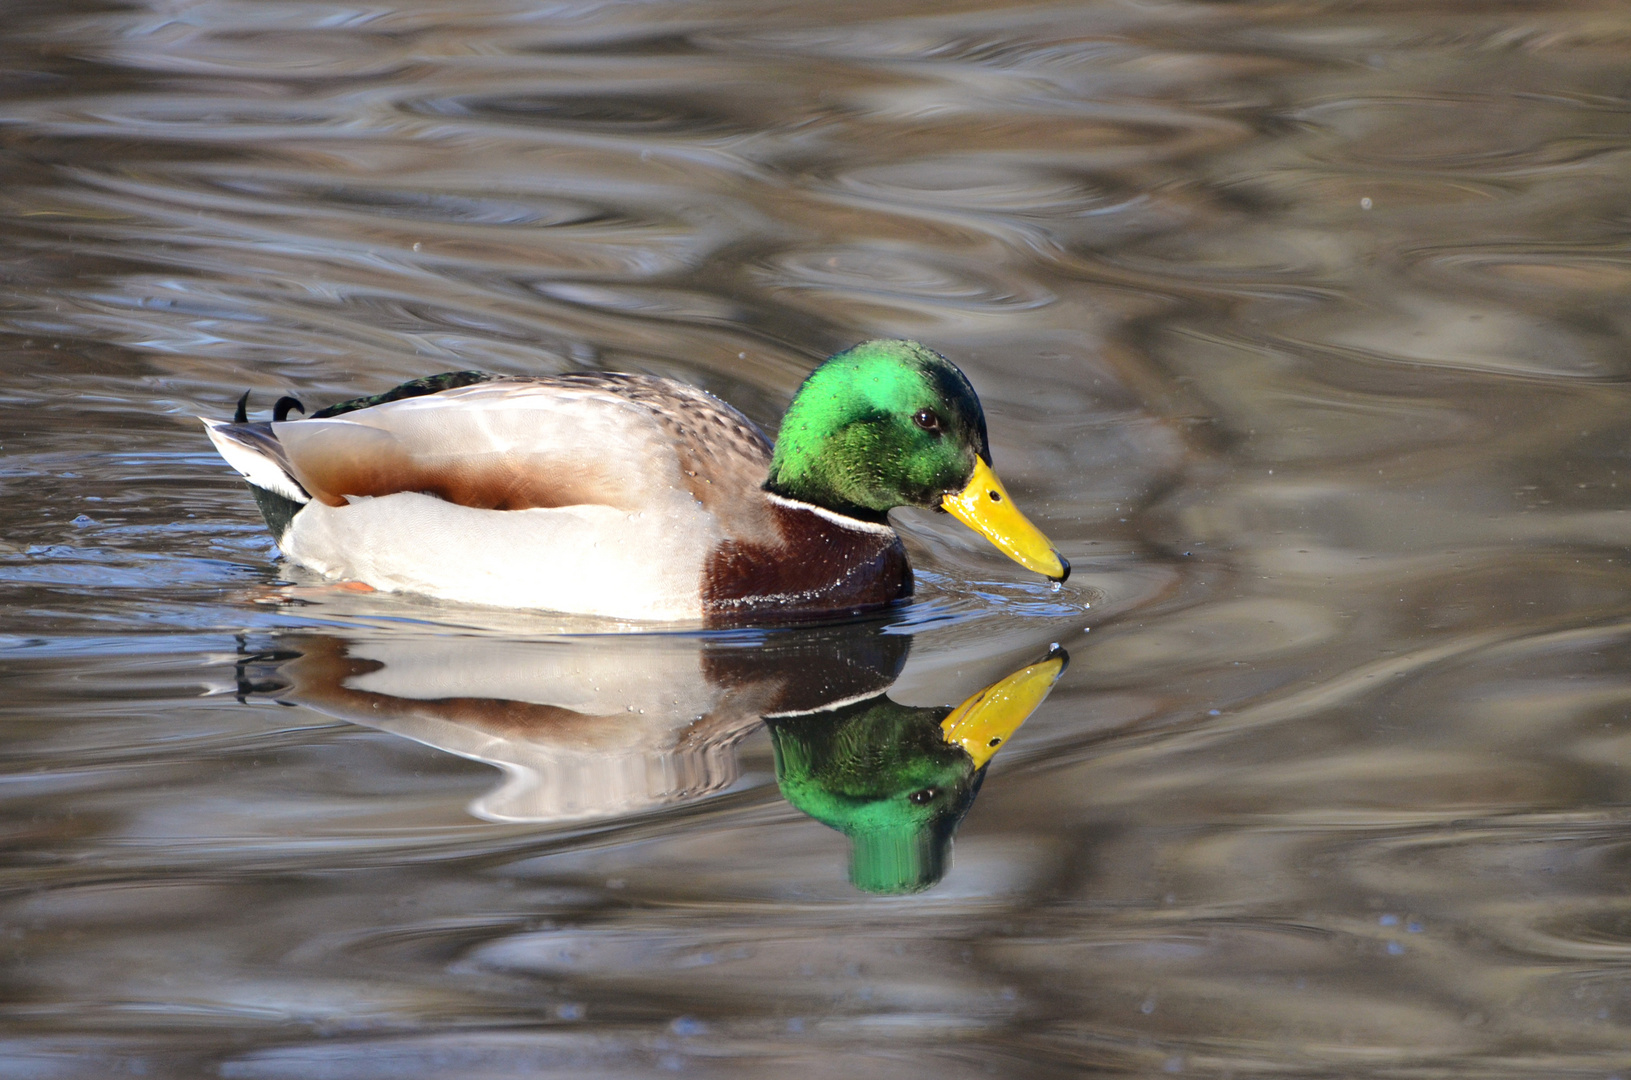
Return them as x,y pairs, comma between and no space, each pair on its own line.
619,495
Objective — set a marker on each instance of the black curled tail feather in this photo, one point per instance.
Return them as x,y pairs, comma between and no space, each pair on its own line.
430,384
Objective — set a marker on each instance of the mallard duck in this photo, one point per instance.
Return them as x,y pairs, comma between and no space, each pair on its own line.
631,496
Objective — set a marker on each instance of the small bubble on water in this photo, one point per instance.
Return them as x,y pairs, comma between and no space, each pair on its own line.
1365,203
82,520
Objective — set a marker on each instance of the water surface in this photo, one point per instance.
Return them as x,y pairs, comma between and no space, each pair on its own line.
1301,328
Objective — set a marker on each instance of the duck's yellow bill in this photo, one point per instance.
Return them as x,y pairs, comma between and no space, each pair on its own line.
983,724
986,508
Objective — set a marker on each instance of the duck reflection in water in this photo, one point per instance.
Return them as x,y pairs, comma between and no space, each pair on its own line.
898,780
591,730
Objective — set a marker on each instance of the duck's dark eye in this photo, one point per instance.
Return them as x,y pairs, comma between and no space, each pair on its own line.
924,797
927,420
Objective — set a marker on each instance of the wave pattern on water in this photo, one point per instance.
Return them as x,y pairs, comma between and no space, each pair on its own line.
1298,327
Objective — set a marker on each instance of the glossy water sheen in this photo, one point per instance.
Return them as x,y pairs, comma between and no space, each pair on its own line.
1302,330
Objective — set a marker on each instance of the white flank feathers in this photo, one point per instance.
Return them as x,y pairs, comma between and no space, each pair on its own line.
594,560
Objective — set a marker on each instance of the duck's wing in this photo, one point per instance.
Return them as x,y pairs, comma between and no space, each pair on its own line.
258,455
514,444
722,455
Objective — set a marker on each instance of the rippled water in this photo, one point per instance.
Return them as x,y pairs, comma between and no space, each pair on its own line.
1301,328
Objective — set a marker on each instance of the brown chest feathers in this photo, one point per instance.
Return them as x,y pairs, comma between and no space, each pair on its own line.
815,566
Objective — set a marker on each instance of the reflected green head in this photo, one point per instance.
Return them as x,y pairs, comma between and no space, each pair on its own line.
885,424
883,775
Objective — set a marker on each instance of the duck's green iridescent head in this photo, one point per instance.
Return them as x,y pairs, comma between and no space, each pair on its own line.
885,424
894,423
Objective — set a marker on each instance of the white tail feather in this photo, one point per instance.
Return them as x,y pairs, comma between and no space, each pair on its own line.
253,462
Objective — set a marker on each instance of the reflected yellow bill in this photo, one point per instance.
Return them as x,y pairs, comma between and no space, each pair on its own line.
983,724
986,508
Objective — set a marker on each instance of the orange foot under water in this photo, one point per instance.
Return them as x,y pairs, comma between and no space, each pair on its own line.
303,594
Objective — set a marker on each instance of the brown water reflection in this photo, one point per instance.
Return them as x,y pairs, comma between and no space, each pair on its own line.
1300,328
